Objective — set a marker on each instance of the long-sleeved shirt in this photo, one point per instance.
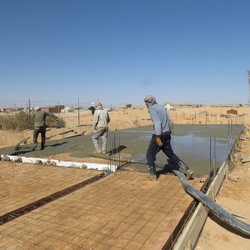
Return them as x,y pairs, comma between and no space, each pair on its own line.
40,117
101,118
160,119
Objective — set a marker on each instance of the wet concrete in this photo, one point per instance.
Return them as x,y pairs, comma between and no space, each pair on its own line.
201,147
122,211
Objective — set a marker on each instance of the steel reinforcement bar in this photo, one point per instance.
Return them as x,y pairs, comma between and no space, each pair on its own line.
39,203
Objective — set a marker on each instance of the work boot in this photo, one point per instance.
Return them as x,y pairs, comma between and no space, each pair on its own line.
106,153
42,146
185,170
35,146
189,174
97,152
152,172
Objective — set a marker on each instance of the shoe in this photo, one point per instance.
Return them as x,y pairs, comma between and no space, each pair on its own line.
189,174
42,145
34,148
152,176
152,172
166,167
97,152
185,170
183,167
105,153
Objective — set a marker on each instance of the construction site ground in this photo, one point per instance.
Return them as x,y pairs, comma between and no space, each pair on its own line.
50,207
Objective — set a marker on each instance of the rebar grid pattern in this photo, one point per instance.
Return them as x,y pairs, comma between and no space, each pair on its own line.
23,184
121,211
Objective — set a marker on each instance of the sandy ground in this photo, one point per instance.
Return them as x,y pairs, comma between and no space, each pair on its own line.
234,194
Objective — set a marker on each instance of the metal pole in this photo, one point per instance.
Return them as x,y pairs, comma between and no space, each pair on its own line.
210,156
58,109
29,120
248,85
215,156
111,150
114,145
119,146
78,113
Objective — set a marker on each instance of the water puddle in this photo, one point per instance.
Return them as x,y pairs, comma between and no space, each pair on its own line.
201,147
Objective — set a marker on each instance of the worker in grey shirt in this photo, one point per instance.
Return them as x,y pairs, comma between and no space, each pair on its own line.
100,128
161,138
40,126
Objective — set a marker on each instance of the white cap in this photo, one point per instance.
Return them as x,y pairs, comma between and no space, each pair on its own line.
98,104
37,108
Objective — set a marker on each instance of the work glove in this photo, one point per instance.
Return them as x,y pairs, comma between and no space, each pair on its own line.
159,141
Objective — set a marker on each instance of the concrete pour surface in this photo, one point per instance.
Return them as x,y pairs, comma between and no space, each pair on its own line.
123,210
196,145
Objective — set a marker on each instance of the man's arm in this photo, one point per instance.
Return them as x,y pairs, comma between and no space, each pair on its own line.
156,121
108,119
95,121
54,116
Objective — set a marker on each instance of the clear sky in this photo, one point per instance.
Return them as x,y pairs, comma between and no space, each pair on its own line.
118,51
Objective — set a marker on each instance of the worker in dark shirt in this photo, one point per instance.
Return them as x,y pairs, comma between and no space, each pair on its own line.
40,126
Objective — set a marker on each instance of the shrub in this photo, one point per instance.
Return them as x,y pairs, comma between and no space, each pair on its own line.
23,120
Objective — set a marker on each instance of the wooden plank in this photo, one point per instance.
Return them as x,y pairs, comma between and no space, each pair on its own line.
191,232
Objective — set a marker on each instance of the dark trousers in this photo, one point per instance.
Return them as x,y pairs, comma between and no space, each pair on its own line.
154,149
42,131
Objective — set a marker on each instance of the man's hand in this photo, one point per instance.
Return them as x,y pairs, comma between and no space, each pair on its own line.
159,142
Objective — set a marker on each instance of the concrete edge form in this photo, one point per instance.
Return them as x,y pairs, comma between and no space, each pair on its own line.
82,165
191,232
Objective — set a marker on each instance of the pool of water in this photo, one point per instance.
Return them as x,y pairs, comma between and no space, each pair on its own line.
201,147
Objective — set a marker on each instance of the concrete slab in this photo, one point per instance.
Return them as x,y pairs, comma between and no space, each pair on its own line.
121,211
197,145
22,184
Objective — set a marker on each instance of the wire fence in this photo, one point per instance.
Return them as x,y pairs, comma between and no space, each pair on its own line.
31,103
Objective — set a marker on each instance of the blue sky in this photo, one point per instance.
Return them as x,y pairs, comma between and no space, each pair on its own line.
118,51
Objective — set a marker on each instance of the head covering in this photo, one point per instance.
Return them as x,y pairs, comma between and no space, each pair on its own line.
149,100
37,108
98,104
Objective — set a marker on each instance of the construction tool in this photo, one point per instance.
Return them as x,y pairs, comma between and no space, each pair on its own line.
23,141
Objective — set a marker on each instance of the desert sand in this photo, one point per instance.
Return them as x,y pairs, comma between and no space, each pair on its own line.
234,193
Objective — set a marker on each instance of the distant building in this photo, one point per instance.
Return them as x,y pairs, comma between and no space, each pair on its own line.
168,107
55,109
67,110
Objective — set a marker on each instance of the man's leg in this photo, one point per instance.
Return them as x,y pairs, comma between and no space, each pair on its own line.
168,151
185,170
43,135
35,136
167,148
104,140
152,151
96,134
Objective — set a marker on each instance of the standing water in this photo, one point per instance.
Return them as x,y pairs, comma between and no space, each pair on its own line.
202,147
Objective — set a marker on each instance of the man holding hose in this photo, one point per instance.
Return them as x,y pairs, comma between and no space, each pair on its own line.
161,138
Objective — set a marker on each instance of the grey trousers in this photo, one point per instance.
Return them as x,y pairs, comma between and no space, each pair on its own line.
102,133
